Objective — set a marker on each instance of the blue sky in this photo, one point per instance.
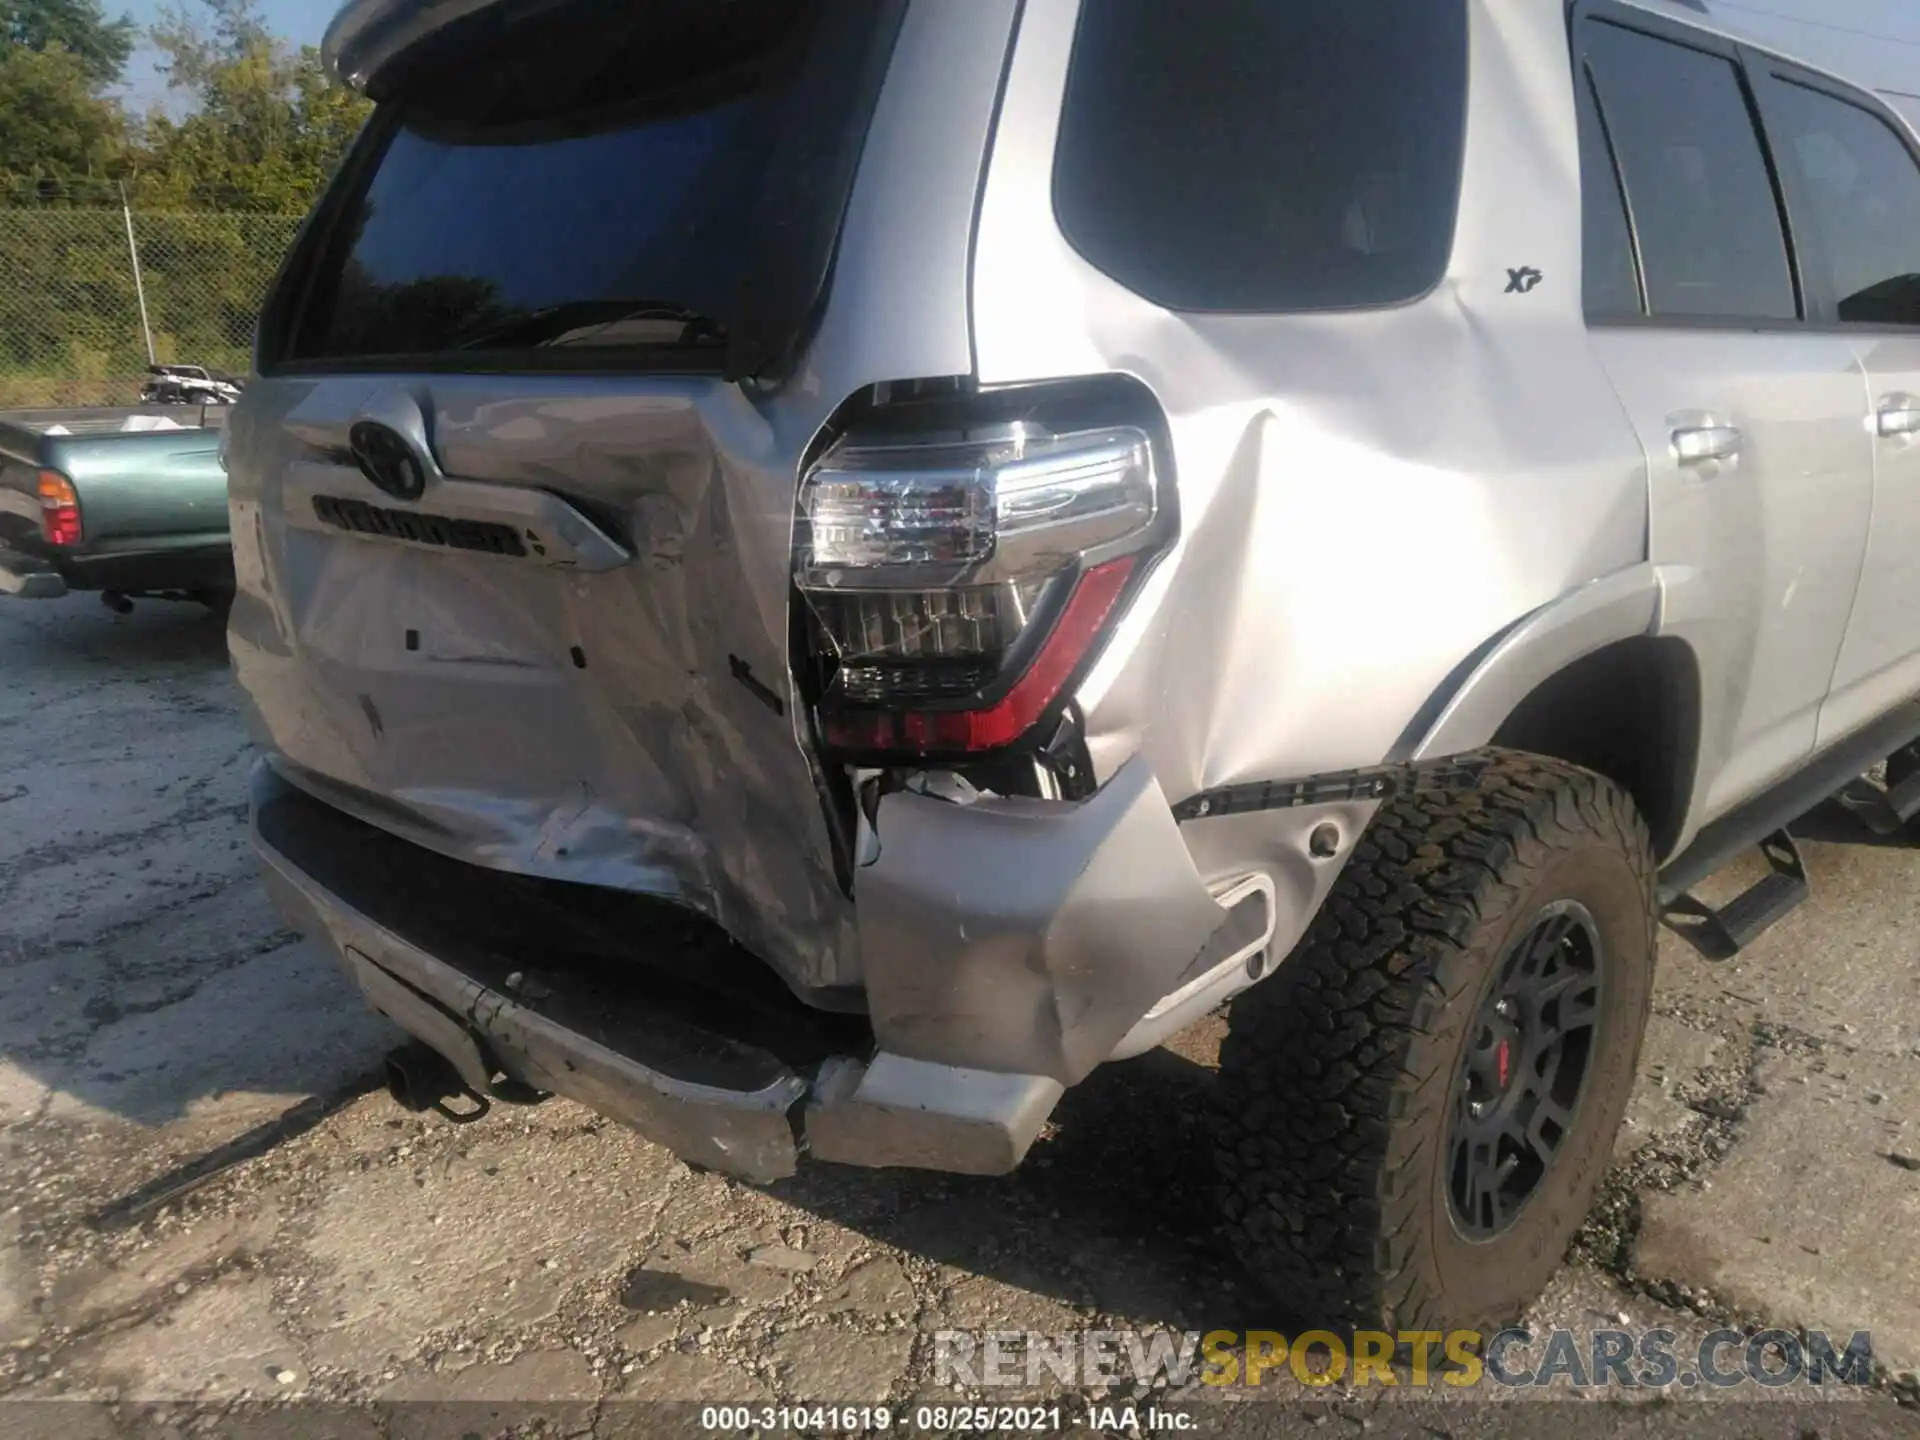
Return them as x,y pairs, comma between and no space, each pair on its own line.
301,21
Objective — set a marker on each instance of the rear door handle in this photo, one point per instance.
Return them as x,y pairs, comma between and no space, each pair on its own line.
1899,415
1694,445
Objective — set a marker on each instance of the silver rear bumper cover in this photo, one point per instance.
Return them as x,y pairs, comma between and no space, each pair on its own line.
886,1110
488,1035
1008,947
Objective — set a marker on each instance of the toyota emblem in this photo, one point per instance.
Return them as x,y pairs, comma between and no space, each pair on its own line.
387,459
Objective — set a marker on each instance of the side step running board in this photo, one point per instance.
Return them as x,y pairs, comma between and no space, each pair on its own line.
1884,812
1756,910
1826,775
1763,821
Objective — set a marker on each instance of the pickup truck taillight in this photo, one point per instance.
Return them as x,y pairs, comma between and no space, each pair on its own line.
960,586
59,509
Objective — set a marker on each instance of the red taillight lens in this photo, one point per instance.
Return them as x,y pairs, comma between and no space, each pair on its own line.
923,732
958,586
59,509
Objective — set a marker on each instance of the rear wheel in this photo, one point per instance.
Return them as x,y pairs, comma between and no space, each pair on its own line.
1414,1113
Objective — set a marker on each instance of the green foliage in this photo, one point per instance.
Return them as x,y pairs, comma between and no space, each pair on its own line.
261,128
217,189
267,126
78,27
69,309
51,124
55,57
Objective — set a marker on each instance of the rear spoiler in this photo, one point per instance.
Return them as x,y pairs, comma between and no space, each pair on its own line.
367,36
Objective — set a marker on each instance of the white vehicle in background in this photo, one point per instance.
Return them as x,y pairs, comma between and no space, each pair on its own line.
188,385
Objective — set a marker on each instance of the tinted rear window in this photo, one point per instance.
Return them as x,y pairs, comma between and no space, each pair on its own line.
597,184
1251,155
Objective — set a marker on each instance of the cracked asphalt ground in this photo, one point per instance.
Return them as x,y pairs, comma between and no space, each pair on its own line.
158,1025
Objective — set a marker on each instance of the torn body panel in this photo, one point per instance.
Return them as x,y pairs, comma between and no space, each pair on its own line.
1366,496
1348,502
1027,936
582,725
531,988
628,722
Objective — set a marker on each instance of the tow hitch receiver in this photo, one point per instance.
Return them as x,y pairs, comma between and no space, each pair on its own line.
420,1078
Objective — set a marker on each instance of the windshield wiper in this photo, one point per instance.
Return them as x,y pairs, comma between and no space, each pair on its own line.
596,322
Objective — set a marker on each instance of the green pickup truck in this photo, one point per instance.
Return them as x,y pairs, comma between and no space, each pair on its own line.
130,502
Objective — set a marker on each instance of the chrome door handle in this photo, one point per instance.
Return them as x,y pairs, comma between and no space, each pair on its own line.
1697,444
1899,418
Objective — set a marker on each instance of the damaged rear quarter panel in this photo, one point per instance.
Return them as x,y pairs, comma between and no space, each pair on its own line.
1366,496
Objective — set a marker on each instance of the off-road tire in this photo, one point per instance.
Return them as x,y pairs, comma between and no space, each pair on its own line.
1338,1075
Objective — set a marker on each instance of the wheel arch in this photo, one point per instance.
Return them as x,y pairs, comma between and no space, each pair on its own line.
1588,680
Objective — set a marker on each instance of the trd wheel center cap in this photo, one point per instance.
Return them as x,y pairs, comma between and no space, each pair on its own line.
1495,1059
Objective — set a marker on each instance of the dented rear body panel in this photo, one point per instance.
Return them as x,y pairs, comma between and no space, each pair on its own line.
440,693
567,657
667,759
1367,496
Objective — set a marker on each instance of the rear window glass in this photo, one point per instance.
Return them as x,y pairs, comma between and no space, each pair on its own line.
1248,155
589,187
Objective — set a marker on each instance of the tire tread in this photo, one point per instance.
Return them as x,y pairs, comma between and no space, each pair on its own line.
1330,1086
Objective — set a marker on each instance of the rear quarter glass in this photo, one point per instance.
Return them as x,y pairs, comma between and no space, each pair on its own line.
1245,156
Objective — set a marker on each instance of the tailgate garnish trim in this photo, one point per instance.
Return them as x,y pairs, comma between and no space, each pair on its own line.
442,531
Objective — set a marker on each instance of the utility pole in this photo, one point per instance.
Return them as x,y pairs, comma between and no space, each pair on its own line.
139,285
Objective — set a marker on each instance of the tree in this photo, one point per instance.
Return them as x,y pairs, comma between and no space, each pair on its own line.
267,126
262,129
55,57
194,48
52,127
78,27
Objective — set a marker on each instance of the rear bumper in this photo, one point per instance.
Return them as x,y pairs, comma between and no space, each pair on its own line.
29,578
199,567
48,577
1008,948
486,1034
742,1084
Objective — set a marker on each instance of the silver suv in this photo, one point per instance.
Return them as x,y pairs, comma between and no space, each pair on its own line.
812,571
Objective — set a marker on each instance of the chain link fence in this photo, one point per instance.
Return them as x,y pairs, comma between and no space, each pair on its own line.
87,295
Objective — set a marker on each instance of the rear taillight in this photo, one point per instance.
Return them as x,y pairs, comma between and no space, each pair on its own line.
959,586
59,509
